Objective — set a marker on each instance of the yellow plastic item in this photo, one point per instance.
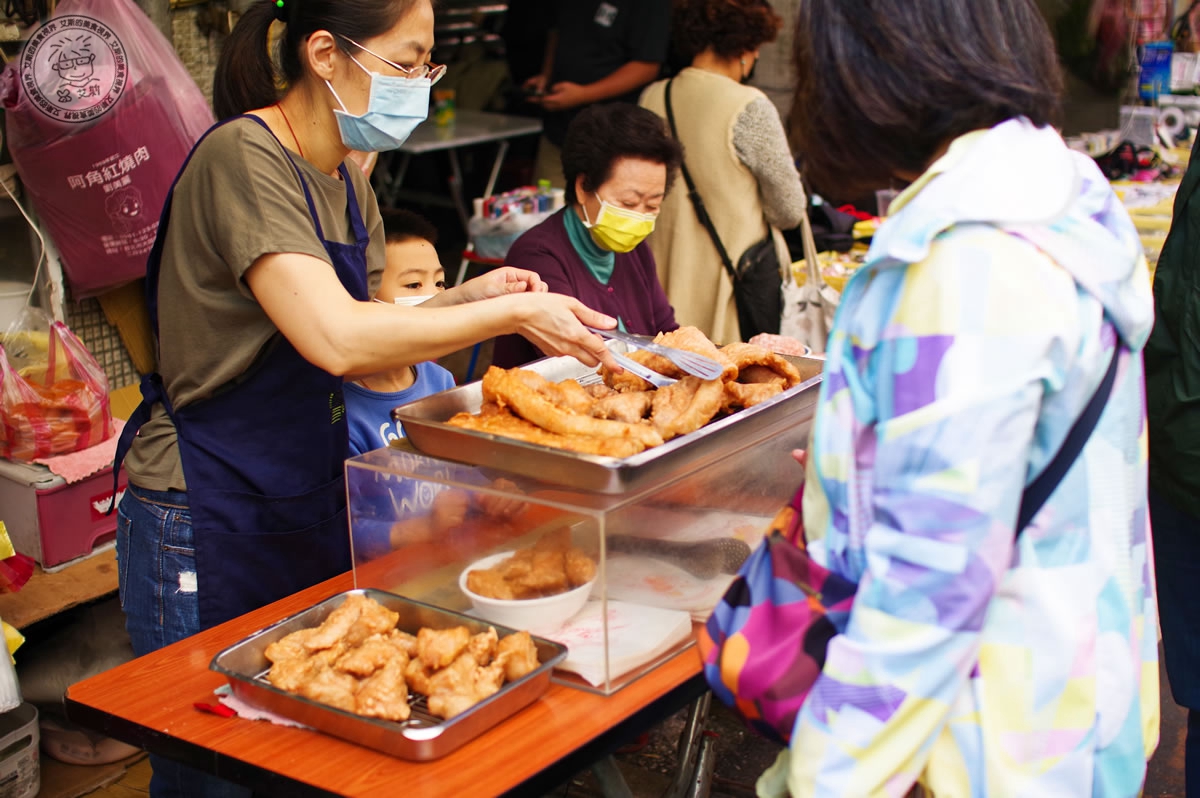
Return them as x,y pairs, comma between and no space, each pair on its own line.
6,546
12,638
866,228
800,272
124,401
125,308
1152,243
1148,222
1164,207
847,263
28,352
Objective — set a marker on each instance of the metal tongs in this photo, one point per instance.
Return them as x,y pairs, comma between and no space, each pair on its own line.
703,559
637,369
703,367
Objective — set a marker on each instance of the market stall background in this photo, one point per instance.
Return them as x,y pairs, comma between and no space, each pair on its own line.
471,35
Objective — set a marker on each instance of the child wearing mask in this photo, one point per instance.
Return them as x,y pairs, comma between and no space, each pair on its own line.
412,274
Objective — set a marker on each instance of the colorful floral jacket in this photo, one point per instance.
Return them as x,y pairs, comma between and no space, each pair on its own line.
974,661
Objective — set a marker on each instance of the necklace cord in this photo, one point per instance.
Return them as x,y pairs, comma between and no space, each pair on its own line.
288,122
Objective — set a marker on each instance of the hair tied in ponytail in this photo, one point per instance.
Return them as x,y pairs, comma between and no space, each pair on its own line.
247,77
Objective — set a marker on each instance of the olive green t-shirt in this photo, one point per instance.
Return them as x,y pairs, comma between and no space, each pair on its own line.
238,199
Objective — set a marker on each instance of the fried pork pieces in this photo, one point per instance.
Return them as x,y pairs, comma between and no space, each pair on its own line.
551,566
626,415
357,660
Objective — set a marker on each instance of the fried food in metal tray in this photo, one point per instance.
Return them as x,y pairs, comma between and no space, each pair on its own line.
337,698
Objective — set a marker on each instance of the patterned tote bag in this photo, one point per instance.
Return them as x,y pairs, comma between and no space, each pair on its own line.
764,645
750,665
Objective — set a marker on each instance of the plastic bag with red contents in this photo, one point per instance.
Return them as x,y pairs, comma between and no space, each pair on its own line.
99,116
53,393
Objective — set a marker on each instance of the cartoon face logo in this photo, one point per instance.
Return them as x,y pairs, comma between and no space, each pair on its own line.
74,68
72,58
124,209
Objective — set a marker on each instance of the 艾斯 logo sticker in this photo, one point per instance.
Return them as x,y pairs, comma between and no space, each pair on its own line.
74,68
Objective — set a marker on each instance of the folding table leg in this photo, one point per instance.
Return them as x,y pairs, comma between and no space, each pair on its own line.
475,350
473,362
608,776
690,747
391,188
501,151
457,189
462,271
706,763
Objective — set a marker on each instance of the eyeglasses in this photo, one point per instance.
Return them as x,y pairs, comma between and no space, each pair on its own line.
71,63
434,72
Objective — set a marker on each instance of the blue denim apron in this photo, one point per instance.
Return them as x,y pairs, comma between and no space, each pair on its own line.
263,456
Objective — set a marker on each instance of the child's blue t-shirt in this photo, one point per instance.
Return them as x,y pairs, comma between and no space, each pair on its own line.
369,413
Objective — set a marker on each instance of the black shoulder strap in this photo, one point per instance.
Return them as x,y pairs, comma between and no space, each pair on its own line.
693,195
1040,490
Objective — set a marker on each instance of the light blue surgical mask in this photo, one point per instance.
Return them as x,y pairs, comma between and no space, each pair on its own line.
395,108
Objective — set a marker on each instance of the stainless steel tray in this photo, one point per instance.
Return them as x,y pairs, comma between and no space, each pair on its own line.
423,736
424,424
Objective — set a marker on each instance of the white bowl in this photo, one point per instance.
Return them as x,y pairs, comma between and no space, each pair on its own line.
538,615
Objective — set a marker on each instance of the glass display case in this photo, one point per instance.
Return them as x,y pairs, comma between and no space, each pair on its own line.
661,553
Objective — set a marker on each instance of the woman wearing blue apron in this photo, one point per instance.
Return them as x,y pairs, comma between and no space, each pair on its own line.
258,288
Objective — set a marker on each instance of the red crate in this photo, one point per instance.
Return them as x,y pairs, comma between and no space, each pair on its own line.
54,522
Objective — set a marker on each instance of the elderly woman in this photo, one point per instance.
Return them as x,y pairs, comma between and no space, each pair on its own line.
737,155
979,658
619,162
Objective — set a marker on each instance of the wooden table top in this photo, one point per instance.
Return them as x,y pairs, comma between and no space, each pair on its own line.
148,702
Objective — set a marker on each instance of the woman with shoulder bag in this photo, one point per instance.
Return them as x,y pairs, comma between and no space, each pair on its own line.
719,250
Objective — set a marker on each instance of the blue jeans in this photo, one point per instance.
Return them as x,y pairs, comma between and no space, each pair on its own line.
156,562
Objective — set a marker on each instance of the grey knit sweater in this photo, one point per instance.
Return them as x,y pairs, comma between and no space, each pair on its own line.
761,144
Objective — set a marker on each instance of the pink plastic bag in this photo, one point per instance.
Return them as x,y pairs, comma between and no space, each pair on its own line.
100,116
53,393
